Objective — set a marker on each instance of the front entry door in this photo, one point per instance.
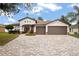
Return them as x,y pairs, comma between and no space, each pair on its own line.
28,28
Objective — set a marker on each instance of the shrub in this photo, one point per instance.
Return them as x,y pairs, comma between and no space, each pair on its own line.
9,28
14,32
75,33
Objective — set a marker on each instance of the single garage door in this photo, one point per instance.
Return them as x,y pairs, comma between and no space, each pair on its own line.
57,30
40,30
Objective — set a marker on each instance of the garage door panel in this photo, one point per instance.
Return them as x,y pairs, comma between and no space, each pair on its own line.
40,30
57,30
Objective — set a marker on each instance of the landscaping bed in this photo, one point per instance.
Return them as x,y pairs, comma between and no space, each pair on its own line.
5,38
30,34
75,35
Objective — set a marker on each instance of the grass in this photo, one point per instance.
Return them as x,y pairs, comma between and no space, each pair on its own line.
74,35
5,38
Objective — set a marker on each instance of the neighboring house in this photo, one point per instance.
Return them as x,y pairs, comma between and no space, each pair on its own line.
2,28
42,27
74,28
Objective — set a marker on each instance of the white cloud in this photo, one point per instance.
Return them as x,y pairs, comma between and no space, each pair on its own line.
74,4
40,7
6,23
52,7
11,19
37,9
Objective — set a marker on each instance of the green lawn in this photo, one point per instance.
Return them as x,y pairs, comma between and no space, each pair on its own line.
5,38
74,35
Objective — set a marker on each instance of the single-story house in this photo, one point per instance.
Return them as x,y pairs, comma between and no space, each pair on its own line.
2,28
55,27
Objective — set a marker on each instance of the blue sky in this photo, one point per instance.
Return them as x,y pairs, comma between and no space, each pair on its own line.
48,11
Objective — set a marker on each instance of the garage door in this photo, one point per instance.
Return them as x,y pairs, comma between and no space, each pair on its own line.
40,30
57,30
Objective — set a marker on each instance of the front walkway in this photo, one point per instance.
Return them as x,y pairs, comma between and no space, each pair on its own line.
41,45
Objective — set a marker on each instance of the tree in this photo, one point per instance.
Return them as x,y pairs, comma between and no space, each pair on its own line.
71,17
9,27
13,8
74,16
9,8
64,19
77,9
29,7
77,15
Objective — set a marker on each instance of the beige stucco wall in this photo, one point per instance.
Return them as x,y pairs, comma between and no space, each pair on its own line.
26,22
57,23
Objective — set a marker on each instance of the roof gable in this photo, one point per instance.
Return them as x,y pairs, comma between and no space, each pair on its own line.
56,23
27,18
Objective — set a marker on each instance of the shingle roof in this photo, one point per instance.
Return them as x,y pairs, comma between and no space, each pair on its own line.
26,18
52,21
41,22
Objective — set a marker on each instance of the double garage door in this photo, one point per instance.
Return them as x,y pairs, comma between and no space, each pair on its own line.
52,30
57,30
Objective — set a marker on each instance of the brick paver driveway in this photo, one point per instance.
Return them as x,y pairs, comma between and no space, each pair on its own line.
43,45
